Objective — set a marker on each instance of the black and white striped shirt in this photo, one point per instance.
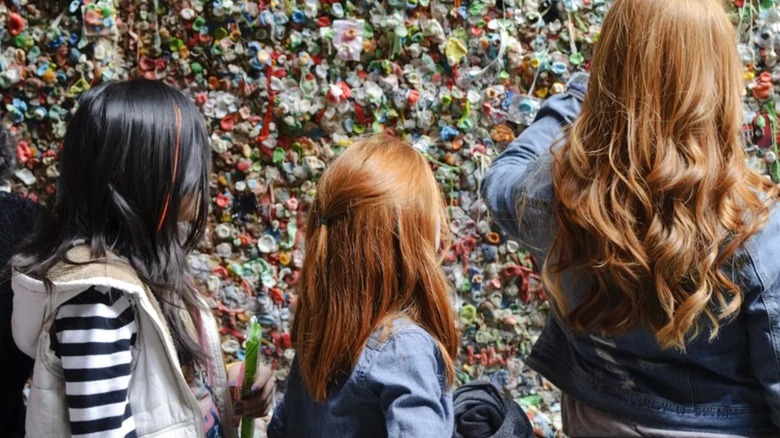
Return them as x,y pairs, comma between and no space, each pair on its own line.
95,334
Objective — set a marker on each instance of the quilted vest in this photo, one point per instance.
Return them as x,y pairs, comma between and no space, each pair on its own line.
163,404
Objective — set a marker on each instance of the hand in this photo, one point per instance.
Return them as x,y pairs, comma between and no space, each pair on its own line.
258,403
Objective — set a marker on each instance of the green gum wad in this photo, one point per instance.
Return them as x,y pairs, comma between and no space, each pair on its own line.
278,156
198,23
468,313
220,33
292,231
176,44
79,87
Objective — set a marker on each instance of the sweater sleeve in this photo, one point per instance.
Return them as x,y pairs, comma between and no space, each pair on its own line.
95,332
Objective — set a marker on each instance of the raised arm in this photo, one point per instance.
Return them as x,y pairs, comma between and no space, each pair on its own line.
507,175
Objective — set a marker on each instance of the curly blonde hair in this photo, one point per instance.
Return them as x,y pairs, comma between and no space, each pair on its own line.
653,195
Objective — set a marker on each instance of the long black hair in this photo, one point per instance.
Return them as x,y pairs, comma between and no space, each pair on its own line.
134,154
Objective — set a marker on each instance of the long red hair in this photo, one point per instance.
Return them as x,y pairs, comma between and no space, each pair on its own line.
371,256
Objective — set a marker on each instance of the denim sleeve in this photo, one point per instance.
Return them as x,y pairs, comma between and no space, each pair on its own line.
762,313
508,175
408,377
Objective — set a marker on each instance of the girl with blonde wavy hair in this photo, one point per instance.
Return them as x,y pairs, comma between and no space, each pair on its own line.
658,241
374,330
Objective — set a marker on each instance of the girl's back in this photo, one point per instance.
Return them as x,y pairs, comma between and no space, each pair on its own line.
398,385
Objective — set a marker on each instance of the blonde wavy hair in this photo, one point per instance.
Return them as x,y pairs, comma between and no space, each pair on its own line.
653,194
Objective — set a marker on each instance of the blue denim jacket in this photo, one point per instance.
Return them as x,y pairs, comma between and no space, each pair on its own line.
397,389
728,386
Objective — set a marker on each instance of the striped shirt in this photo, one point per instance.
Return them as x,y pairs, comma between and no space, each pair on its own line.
95,333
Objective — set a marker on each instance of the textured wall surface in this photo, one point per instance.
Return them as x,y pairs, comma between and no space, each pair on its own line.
285,85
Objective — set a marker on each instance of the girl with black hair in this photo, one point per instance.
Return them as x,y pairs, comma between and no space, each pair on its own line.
124,344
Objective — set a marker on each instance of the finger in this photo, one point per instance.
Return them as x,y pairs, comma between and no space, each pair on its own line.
236,381
233,370
263,375
268,391
266,397
260,405
234,390
257,410
254,407
260,398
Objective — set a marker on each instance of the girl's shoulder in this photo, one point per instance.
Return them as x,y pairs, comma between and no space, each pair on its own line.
398,354
399,331
763,271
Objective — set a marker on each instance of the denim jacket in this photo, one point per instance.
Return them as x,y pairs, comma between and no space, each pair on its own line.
397,389
729,386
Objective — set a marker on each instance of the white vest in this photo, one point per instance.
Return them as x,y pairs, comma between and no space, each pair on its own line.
161,400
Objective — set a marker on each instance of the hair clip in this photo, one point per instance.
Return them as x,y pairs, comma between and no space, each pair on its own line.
324,220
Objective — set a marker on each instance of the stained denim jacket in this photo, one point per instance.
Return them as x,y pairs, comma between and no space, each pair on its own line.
397,389
730,385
